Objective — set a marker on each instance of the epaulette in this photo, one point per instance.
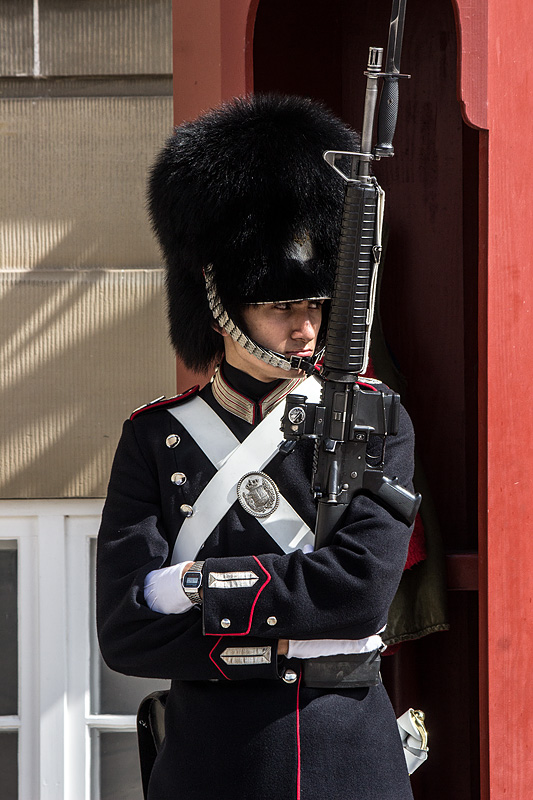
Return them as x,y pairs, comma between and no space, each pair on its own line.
370,383
365,379
163,402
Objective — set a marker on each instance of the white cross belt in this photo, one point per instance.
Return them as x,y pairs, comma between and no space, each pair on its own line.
233,460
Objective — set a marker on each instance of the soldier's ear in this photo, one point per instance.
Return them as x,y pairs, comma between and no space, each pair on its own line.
216,327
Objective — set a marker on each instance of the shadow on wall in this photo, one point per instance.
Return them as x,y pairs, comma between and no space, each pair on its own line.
83,337
79,351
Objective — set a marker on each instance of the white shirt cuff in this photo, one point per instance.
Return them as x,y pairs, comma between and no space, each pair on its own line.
163,591
314,648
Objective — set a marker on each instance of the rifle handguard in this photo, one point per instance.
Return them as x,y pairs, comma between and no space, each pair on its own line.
346,350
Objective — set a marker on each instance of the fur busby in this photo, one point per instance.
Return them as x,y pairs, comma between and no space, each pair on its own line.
245,188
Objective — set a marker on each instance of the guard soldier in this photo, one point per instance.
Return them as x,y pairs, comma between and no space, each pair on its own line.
206,569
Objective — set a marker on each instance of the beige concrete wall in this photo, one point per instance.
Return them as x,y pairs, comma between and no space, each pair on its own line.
86,102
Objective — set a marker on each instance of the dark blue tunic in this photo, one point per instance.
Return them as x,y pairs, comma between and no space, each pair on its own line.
235,731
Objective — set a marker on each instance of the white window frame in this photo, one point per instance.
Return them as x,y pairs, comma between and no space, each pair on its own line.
55,723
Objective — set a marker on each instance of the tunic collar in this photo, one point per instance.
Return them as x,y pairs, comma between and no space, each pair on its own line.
242,406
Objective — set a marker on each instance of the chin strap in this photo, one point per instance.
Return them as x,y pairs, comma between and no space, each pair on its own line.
305,363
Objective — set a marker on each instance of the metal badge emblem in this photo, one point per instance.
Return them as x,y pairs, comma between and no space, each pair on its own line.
232,580
297,415
258,494
240,656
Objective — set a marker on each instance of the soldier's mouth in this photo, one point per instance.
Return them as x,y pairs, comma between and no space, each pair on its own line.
299,353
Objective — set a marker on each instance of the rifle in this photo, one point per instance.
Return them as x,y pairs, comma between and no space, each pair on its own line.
348,413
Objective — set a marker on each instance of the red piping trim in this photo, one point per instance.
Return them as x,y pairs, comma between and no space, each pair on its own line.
234,391
213,660
247,631
166,402
367,386
299,756
267,395
228,392
293,384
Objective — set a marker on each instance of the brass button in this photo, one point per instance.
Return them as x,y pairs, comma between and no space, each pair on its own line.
272,621
290,676
225,623
186,510
178,478
172,441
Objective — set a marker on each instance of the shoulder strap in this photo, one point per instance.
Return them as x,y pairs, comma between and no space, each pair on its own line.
207,429
161,402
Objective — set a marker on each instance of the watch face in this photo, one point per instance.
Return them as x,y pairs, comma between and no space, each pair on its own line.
192,580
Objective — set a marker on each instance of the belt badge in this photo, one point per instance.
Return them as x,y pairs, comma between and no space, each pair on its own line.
258,494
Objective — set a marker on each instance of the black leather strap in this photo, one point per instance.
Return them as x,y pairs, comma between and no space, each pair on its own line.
343,671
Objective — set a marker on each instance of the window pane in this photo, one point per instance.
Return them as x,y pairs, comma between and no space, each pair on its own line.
116,758
8,628
9,765
112,693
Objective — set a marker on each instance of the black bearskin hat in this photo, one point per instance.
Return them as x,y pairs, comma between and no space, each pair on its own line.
245,188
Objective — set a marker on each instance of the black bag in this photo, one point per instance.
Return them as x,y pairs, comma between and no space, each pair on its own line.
150,732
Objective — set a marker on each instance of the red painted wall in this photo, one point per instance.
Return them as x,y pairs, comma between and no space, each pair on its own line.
509,373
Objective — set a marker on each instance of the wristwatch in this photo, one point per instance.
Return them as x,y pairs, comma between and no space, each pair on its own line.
191,581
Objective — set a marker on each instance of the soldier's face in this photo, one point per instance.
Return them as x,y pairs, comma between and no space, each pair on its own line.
287,328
